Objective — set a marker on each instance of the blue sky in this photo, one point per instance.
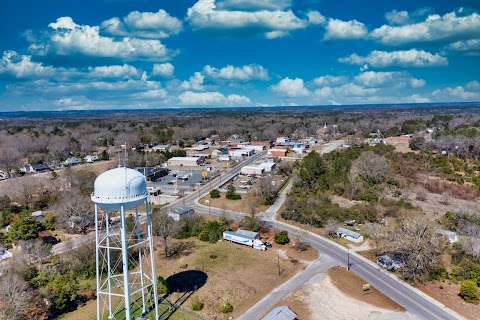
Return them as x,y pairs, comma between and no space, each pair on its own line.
116,54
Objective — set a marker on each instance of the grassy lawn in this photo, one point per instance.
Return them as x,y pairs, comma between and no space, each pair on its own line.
227,272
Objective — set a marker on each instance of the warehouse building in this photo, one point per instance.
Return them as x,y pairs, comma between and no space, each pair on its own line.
186,161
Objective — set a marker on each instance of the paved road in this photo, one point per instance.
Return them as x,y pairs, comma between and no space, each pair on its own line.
187,200
414,301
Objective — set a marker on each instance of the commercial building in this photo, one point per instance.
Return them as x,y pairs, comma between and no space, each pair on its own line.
247,170
186,161
267,166
277,152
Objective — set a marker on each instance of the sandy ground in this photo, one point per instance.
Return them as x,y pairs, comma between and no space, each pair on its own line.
447,293
321,298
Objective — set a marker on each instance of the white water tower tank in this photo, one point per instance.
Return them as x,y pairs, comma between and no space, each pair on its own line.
119,187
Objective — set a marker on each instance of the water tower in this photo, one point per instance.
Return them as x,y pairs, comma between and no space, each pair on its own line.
126,280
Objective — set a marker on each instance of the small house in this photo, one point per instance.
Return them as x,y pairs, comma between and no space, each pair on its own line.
451,235
181,212
349,235
39,167
4,253
387,262
72,161
91,158
38,215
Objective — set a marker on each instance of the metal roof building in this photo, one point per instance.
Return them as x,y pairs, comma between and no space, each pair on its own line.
281,313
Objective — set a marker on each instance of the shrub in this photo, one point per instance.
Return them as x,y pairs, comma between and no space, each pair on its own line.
197,305
226,307
469,291
282,237
162,286
232,193
215,193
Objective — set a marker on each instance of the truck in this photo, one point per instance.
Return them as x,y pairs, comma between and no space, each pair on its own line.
245,237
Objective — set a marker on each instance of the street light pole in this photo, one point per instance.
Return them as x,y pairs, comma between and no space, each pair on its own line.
209,208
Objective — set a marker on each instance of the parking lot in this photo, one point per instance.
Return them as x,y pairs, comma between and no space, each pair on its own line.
184,180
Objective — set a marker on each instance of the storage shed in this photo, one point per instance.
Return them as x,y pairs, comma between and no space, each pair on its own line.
180,212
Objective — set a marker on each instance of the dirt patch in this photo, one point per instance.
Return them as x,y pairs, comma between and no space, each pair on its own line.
403,148
447,293
330,296
344,202
241,205
351,284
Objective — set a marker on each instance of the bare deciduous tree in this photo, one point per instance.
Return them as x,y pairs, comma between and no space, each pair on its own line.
470,241
14,296
417,244
371,167
10,159
75,212
331,226
164,226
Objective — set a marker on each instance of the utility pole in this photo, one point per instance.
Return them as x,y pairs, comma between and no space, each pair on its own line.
348,259
278,263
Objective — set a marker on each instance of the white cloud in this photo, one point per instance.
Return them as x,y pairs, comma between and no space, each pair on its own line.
22,67
244,73
68,38
151,94
417,83
293,88
212,99
406,58
434,28
206,16
143,25
373,79
195,82
471,46
164,70
473,86
397,17
328,80
403,17
470,92
121,72
338,29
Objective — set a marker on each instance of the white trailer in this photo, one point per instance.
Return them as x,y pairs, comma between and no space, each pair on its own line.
247,238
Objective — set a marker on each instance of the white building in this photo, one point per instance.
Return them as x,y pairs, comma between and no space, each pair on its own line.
256,148
185,161
251,170
349,235
91,158
283,141
241,153
180,212
4,253
224,158
267,166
